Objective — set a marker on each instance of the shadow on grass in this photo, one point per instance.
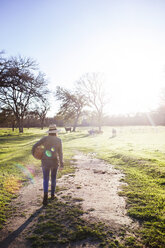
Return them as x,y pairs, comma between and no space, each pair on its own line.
20,138
12,236
79,136
15,157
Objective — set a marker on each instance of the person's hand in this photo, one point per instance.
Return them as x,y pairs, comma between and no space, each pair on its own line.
61,167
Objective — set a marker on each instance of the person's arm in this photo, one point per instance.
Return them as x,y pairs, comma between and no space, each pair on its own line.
40,142
60,153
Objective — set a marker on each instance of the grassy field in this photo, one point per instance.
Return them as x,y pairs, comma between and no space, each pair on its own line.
138,151
15,165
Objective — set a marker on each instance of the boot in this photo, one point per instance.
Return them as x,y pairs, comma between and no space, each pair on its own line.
52,196
52,192
45,199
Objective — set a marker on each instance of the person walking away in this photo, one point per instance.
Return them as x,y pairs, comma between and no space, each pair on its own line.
51,159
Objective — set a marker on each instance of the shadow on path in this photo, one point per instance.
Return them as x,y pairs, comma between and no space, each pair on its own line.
12,236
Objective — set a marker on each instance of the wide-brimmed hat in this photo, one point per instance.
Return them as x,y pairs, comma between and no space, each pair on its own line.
53,129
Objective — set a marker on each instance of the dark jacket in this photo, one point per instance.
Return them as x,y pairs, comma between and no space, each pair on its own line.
52,148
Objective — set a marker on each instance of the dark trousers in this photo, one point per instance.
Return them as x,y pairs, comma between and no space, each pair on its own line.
47,168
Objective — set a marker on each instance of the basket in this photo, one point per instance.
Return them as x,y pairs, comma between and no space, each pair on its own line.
38,153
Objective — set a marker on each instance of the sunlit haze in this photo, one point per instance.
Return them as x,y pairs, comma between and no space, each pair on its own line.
125,40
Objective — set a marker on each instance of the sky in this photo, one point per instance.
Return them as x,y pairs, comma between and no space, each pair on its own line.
124,40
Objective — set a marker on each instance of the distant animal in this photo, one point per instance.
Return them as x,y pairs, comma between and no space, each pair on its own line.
67,129
114,133
92,131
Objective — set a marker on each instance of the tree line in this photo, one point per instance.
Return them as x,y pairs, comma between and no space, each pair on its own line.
24,99
24,95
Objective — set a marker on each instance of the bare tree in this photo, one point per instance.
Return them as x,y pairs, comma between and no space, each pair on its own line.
91,85
11,68
41,109
72,104
20,86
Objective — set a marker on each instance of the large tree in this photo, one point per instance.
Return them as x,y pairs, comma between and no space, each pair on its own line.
11,69
91,85
72,104
20,85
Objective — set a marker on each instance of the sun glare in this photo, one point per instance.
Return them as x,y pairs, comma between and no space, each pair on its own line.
133,83
132,62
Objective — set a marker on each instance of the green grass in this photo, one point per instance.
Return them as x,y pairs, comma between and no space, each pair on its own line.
15,150
15,160
138,151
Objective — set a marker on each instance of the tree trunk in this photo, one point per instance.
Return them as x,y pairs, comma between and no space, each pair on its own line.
21,129
75,124
74,128
100,122
28,123
20,125
42,124
13,126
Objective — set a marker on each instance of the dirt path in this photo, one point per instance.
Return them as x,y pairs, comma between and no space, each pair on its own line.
96,182
25,208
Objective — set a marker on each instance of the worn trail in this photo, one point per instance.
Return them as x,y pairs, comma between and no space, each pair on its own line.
96,182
